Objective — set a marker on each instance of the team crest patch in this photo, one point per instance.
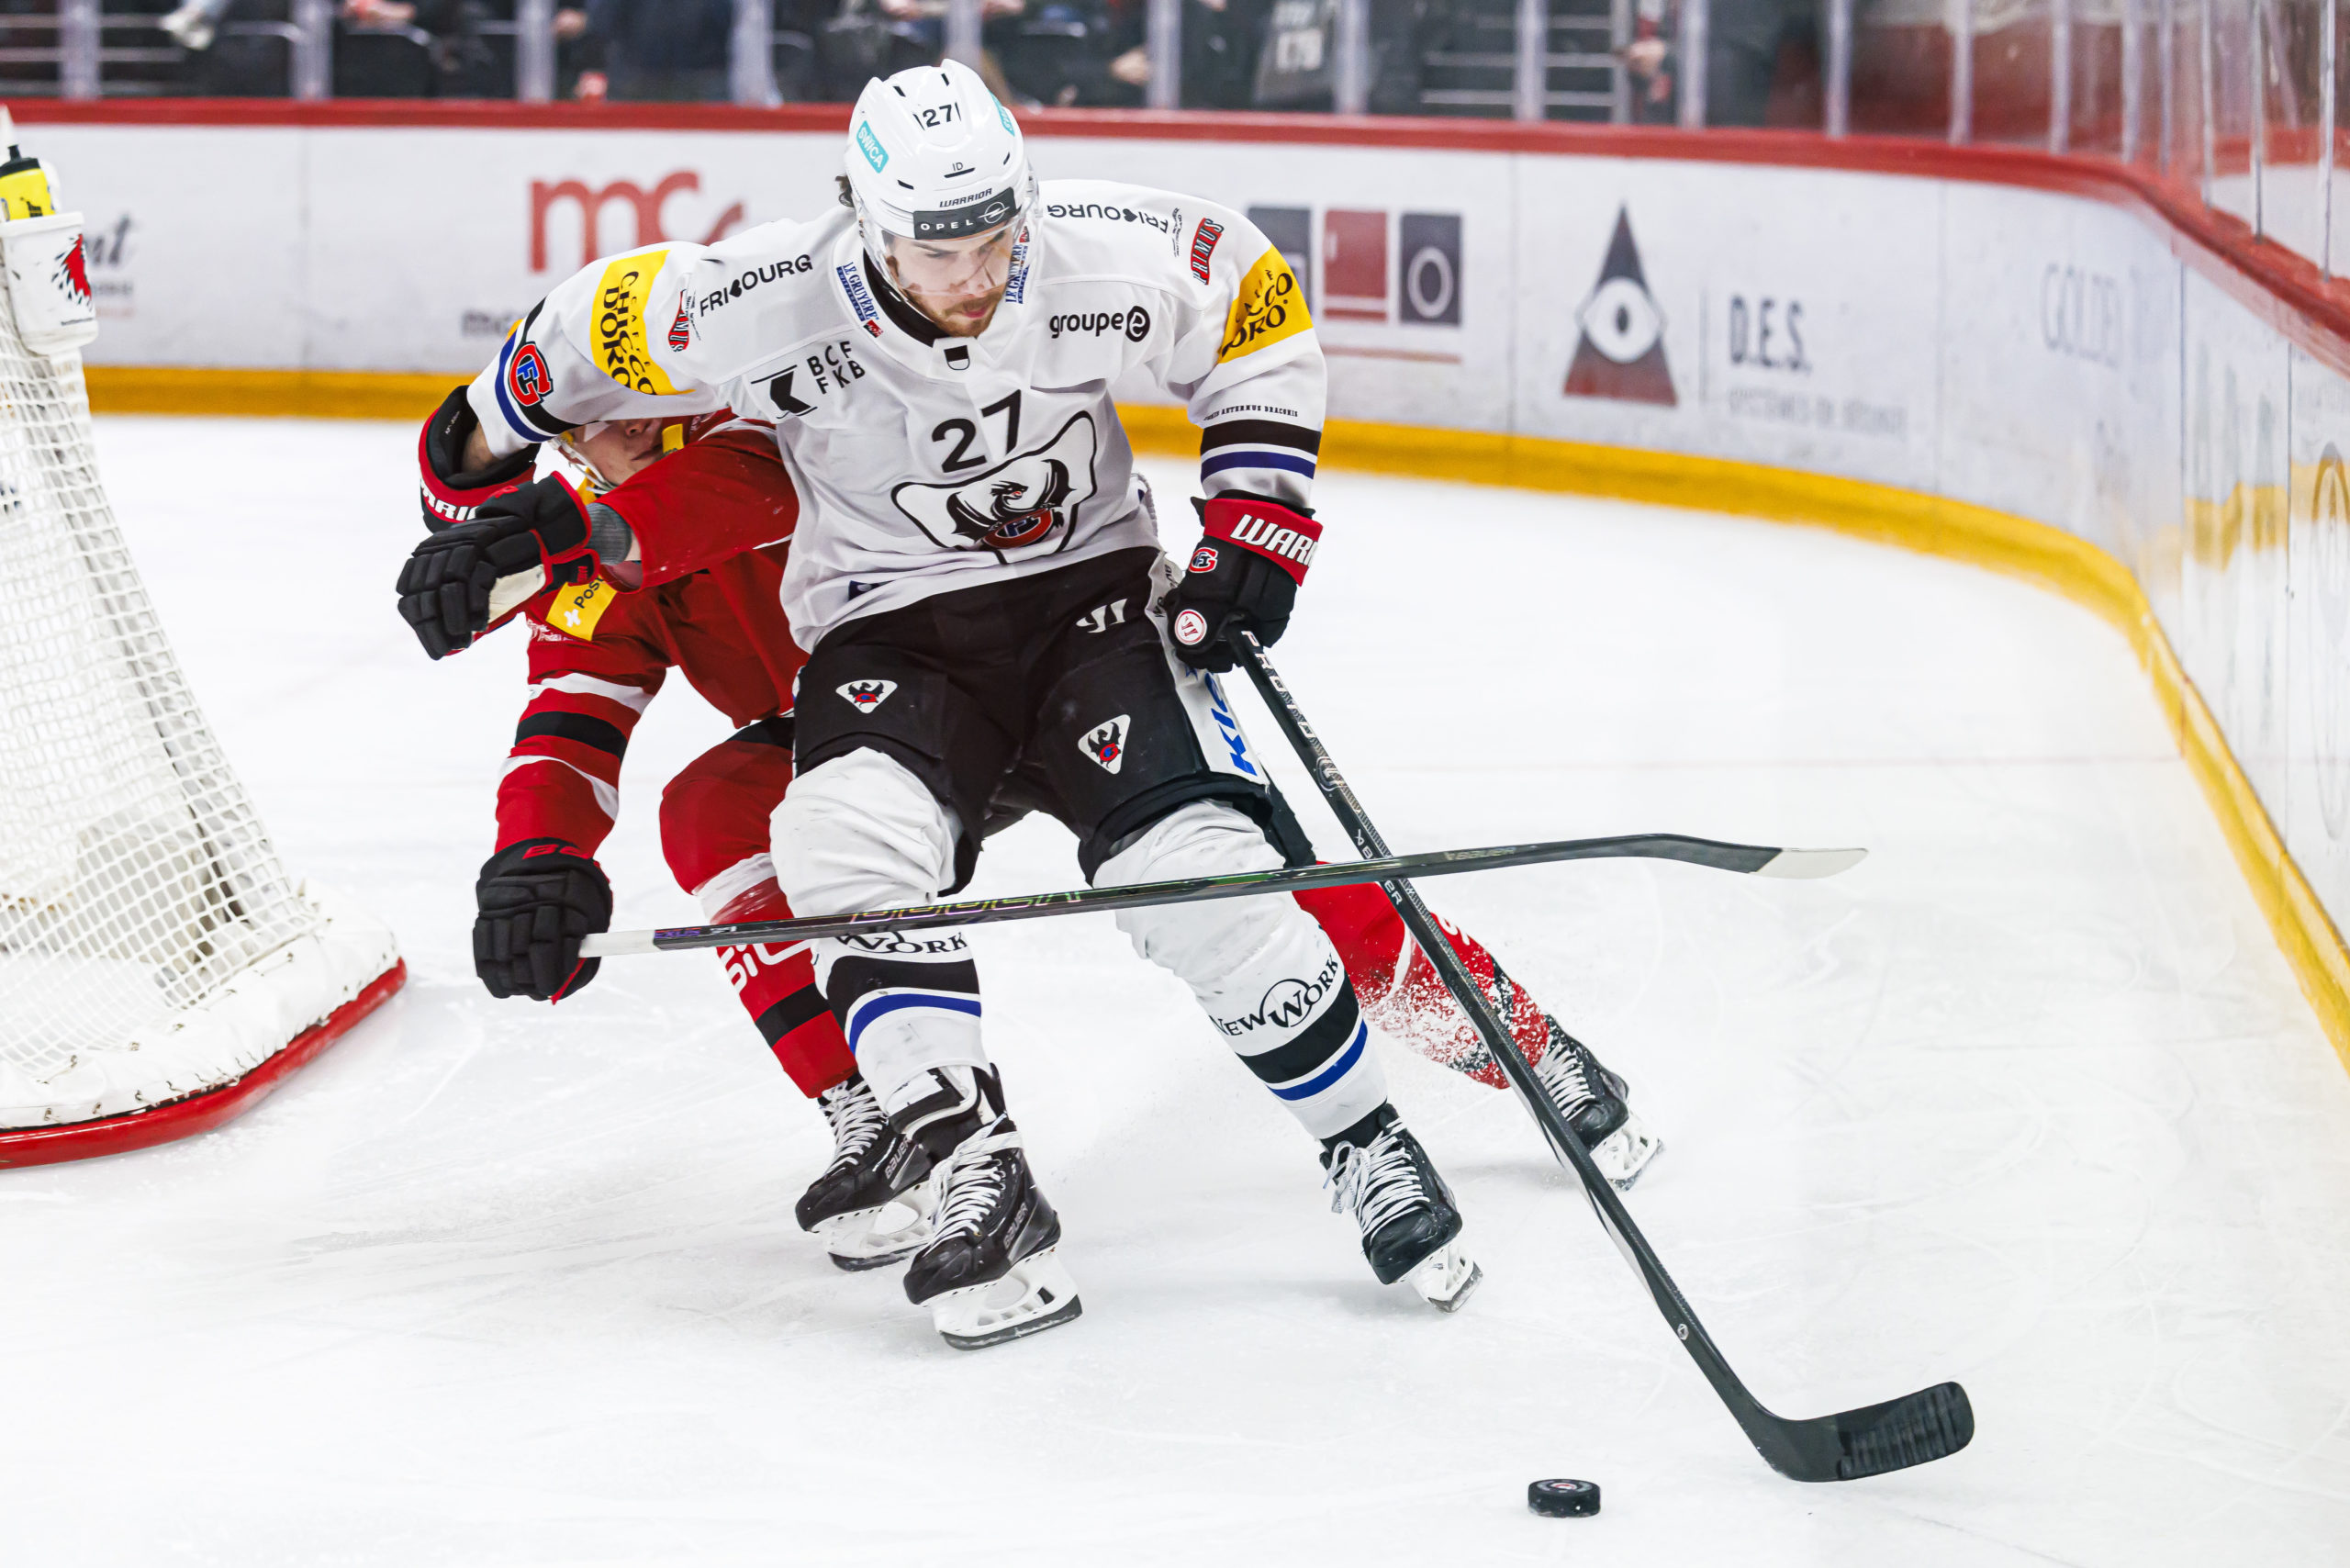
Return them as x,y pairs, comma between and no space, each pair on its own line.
866,695
526,377
1203,558
681,330
1106,743
1026,502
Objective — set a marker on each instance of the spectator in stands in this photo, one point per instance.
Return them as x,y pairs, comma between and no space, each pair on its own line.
1297,67
195,25
228,61
1072,52
864,40
1222,41
394,48
477,60
664,50
1743,42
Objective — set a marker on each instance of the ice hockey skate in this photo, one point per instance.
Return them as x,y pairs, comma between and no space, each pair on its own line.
871,1205
1411,1229
991,1271
1591,1098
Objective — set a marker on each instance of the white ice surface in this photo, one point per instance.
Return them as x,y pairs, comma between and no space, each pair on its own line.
2029,1100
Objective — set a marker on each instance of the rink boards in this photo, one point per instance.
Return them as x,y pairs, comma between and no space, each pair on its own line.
2035,344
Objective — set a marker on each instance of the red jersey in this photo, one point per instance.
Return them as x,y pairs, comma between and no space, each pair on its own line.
598,654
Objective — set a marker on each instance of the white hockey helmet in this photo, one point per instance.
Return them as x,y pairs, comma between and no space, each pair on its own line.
932,155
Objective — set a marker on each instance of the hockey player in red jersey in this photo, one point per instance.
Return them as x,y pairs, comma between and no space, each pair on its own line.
597,656
701,535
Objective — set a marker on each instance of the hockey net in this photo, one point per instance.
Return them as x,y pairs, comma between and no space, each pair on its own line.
159,971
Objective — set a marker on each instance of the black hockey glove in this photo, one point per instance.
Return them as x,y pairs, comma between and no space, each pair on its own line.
516,544
537,899
448,492
1252,554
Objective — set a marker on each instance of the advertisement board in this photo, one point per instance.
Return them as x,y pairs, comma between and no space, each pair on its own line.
2029,348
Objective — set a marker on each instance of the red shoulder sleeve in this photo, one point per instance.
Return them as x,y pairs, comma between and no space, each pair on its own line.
709,501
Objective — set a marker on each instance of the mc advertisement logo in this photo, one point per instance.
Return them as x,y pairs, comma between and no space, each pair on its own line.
649,208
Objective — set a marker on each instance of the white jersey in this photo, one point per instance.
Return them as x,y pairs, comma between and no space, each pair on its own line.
925,463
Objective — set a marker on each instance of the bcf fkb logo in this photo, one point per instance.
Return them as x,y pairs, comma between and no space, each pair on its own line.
1375,265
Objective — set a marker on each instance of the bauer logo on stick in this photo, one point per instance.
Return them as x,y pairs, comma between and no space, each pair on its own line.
866,695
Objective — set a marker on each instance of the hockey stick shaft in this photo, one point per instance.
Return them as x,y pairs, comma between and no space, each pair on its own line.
1808,1450
1752,860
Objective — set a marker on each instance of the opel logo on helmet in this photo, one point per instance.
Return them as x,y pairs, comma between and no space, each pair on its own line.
995,212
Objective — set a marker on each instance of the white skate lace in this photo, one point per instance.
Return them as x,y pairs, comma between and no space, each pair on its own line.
971,1181
1376,1182
857,1121
1561,1072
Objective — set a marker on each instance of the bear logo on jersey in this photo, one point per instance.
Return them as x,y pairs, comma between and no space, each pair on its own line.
1107,743
866,695
1027,503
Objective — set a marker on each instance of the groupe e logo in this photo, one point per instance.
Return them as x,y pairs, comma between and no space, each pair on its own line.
1134,323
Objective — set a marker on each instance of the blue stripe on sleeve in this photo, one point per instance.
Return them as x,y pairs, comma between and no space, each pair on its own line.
505,404
1224,460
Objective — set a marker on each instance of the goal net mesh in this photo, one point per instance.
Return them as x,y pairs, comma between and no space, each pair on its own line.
137,885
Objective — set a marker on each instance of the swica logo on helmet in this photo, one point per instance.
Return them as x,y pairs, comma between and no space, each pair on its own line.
870,145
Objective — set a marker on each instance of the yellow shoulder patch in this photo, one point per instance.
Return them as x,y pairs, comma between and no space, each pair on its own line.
1269,308
623,345
578,606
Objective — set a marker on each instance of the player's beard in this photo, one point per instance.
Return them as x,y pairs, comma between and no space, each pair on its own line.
959,317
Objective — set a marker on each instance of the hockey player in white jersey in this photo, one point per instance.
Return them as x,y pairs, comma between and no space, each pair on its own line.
978,574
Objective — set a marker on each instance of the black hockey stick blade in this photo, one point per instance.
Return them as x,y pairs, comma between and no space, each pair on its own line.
1916,1428
1749,858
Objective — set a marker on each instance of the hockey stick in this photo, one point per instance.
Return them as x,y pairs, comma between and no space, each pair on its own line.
1929,1425
1748,859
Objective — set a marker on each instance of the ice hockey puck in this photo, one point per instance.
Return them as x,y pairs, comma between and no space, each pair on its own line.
1562,1499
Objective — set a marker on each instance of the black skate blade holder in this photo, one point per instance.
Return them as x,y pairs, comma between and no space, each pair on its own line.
1916,1428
